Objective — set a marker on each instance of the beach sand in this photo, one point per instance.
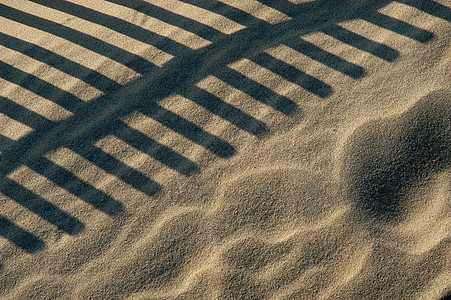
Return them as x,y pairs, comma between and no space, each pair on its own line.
230,149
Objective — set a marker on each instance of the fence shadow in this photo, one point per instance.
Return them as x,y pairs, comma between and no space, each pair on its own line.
91,121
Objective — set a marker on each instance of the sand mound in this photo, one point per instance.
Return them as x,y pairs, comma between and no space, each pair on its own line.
396,172
385,160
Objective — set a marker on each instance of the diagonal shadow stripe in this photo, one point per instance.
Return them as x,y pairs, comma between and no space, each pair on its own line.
50,58
430,7
362,43
169,17
128,59
160,152
5,144
118,25
74,185
76,130
41,207
287,7
116,168
225,10
20,237
23,115
400,27
294,75
188,130
226,111
331,60
258,92
40,87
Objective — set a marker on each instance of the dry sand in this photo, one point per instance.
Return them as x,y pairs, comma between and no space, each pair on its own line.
231,149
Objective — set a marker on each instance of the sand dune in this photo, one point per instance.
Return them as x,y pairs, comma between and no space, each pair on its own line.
227,149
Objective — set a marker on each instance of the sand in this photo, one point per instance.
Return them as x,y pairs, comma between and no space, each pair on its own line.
230,149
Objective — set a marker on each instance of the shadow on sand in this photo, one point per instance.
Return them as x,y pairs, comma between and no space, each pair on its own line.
101,117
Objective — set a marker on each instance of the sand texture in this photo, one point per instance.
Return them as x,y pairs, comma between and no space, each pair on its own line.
225,149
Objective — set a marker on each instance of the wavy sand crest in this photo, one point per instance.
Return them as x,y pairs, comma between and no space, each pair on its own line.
282,236
269,198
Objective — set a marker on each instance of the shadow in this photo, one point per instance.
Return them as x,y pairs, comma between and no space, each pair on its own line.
20,237
188,130
399,27
74,185
227,11
101,117
158,151
224,110
5,143
353,39
170,17
50,58
431,7
41,207
23,115
446,296
292,74
89,42
385,159
118,25
40,87
326,58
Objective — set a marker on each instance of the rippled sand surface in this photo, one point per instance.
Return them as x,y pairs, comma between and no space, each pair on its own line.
225,149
